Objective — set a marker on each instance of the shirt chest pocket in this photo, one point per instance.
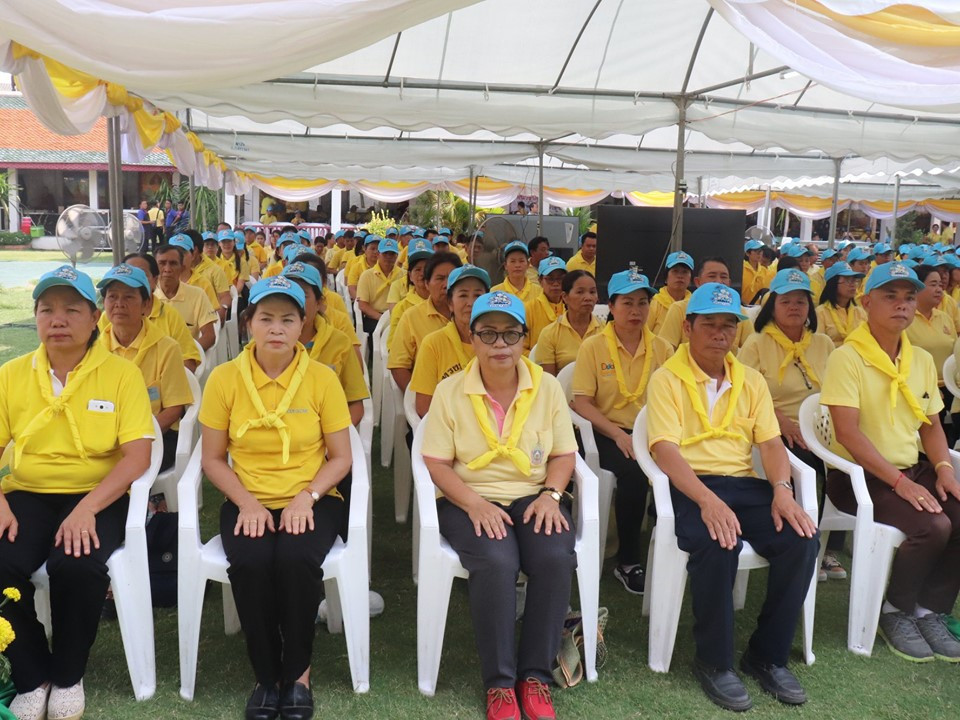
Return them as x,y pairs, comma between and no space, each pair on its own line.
98,431
537,443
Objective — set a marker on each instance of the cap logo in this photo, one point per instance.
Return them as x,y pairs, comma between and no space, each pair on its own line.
278,281
635,276
66,273
122,270
297,267
682,256
500,299
898,270
795,277
722,296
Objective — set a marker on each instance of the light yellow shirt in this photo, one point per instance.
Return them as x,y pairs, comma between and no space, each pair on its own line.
578,263
559,343
442,354
763,354
949,306
201,281
837,323
851,382
753,281
453,433
410,300
671,418
672,329
817,282
273,269
214,273
414,326
936,335
529,292
357,268
398,289
230,269
374,287
659,304
192,304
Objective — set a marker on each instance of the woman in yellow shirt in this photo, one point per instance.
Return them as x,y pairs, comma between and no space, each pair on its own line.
500,448
418,252
324,342
838,313
447,351
679,267
233,262
609,388
560,341
516,259
932,329
283,420
546,307
130,335
79,422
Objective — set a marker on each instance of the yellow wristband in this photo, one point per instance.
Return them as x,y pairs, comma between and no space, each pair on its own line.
942,463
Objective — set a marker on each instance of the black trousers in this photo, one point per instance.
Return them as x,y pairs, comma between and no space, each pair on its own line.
277,580
170,438
369,325
494,566
713,571
78,588
630,500
837,539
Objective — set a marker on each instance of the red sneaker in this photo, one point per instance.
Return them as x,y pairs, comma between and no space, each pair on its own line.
502,704
535,700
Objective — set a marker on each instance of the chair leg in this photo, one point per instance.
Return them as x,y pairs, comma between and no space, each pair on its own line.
190,592
131,591
645,610
607,483
740,589
387,415
666,588
231,620
433,601
402,472
868,583
809,610
588,582
331,592
416,543
354,602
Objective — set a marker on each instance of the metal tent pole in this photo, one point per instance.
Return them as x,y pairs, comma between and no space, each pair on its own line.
766,220
472,200
837,162
540,195
680,184
114,188
193,204
896,207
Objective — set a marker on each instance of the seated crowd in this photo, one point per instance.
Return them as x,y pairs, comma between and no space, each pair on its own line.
490,367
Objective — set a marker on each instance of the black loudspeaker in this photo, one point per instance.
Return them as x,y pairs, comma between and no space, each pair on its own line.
561,230
628,234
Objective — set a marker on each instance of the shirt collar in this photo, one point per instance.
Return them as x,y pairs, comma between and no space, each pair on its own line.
261,379
113,344
702,378
473,381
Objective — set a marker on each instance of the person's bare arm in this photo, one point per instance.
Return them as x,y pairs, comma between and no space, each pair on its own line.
368,310
356,411
402,377
586,407
168,416
207,337
550,368
776,465
423,404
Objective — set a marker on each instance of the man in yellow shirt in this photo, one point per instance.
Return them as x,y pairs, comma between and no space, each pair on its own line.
373,287
679,267
189,301
203,265
706,412
539,249
919,497
586,257
516,260
189,275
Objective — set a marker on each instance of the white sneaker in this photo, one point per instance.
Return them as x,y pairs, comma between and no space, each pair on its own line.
31,705
376,607
66,703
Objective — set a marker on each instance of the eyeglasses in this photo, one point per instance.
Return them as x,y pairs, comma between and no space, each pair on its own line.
490,337
803,374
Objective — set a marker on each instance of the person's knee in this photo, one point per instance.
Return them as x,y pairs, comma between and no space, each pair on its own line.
937,530
554,556
298,559
67,568
253,558
494,562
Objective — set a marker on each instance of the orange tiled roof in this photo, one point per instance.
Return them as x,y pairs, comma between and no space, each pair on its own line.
20,130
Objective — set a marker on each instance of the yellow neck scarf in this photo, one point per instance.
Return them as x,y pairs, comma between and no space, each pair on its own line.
149,335
681,365
322,332
666,299
56,405
636,395
454,336
553,310
794,350
522,406
272,419
869,349
387,279
843,320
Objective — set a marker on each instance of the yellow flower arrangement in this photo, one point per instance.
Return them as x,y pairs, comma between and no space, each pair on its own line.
12,593
7,635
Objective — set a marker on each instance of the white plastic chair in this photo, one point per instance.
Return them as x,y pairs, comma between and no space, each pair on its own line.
389,408
231,326
950,380
873,542
533,354
606,479
440,564
412,419
200,372
363,337
601,313
379,366
214,354
166,481
345,292
130,580
346,576
667,563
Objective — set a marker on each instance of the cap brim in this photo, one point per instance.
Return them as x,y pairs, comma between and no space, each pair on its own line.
129,282
688,266
48,283
916,283
717,311
633,287
489,311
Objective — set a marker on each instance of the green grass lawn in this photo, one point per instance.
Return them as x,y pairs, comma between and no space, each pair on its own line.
839,684
12,255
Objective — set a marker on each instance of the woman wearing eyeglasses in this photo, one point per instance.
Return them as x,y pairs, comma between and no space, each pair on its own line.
609,388
792,357
500,448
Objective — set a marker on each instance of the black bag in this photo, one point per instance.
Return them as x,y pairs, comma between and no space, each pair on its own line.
162,558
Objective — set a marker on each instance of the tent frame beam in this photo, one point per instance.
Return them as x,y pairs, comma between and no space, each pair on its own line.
576,42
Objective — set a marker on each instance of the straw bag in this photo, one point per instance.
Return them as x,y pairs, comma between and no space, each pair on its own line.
568,667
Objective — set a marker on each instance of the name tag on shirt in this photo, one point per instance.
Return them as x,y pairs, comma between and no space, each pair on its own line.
154,393
104,406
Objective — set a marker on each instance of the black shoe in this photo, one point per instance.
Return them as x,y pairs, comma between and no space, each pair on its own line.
264,703
296,702
723,687
774,679
632,579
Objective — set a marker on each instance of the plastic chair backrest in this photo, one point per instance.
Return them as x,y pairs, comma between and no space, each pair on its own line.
565,376
950,376
202,365
410,409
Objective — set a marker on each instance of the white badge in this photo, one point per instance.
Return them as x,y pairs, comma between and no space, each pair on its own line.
103,406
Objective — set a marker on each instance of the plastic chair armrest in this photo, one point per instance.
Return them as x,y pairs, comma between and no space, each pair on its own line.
360,487
187,487
423,485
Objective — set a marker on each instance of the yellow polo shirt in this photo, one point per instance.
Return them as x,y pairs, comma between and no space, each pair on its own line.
334,349
402,255
273,269
949,306
171,324
936,335
318,408
357,268
160,363
442,354
203,282
230,269
453,433
559,343
532,275
398,289
851,382
342,322
374,286
659,304
672,329
410,300
540,313
414,326
849,319
258,251
334,300
594,375
752,282
110,408
529,291
192,304
578,263
762,353
214,273
817,282
671,418
333,257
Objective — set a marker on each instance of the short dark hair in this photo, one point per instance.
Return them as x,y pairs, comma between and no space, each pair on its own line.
829,292
570,279
701,264
537,242
149,259
766,313
196,237
438,259
588,234
411,264
923,272
167,247
786,262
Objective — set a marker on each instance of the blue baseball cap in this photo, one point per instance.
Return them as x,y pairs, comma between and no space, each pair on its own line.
749,245
417,232
794,250
714,299
304,235
224,235
294,251
882,248
371,238
391,232
303,271
680,258
499,301
182,241
407,230
277,285
127,274
239,235
338,234
789,280
828,253
209,236
918,253
550,264
628,281
445,231
842,269
892,272
388,244
859,254
910,263
906,247
947,259
69,277
287,237
514,246
419,248
468,271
